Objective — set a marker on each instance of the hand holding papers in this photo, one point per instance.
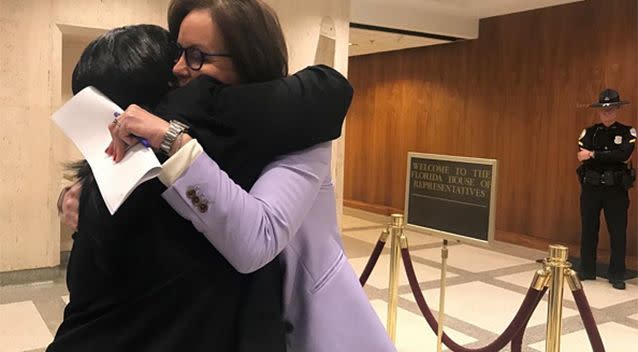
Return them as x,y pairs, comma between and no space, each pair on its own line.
85,120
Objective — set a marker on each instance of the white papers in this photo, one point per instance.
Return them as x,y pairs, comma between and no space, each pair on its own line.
85,119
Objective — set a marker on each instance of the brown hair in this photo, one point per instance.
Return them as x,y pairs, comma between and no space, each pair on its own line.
251,31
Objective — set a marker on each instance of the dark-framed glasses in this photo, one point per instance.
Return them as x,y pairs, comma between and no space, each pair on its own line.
194,57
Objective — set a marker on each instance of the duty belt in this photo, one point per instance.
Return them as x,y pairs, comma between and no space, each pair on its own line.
605,178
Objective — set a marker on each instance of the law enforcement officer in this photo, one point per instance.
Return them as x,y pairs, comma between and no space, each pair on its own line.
605,175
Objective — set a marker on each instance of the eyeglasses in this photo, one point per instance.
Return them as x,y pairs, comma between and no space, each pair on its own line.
194,57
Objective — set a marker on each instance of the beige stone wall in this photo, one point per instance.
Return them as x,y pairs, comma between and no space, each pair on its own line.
30,89
33,64
301,21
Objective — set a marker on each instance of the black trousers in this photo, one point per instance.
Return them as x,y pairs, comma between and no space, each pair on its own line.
614,200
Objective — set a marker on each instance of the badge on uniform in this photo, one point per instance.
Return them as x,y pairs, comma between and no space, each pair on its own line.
618,140
582,134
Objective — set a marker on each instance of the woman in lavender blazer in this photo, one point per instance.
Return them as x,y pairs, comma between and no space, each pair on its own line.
290,210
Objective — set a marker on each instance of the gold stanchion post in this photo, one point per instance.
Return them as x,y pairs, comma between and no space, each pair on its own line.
444,255
396,231
557,264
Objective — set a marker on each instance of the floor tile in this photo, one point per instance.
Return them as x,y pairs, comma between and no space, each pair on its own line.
472,259
616,338
413,333
381,274
417,238
22,328
349,221
486,306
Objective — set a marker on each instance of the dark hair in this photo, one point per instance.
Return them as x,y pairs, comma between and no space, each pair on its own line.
131,64
251,31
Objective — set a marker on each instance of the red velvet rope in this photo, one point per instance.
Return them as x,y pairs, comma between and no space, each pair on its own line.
520,319
517,341
374,257
588,320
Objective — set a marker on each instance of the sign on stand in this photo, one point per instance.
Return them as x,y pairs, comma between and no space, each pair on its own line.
451,197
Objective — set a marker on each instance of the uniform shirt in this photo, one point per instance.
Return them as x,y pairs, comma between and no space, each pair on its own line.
612,146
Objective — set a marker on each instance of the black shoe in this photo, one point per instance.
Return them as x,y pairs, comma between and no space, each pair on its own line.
618,284
586,276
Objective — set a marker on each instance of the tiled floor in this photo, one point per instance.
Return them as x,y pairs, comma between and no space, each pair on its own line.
616,337
472,259
22,327
413,325
484,289
475,309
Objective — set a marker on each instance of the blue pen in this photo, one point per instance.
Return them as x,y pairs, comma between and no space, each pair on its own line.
140,139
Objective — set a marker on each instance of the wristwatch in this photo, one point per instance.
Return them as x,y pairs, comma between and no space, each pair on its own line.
175,129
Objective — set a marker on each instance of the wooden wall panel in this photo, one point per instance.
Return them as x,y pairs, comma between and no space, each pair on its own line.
518,94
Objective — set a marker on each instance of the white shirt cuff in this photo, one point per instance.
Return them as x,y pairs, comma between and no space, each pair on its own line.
175,166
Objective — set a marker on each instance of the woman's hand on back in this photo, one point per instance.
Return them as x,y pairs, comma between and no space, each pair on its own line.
69,204
135,122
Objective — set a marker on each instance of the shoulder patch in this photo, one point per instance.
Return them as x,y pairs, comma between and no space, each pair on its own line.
582,134
633,132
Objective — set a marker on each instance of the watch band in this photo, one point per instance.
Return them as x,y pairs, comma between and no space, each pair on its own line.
175,129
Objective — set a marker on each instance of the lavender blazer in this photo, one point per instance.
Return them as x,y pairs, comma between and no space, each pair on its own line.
290,210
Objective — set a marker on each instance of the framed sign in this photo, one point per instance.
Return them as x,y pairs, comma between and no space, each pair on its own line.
451,197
